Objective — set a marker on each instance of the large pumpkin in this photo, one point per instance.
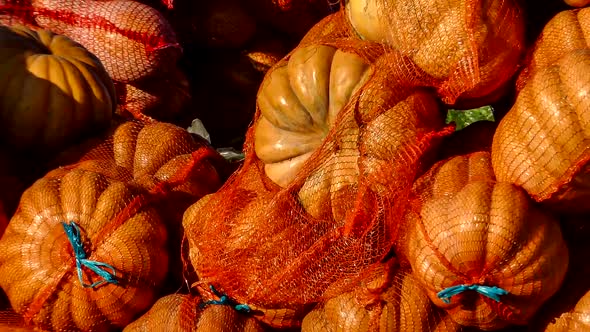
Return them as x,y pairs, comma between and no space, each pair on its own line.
473,46
481,249
82,252
53,90
543,143
131,39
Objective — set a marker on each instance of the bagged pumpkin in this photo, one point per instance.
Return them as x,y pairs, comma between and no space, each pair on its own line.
482,250
543,143
575,320
83,252
180,313
330,158
380,305
472,47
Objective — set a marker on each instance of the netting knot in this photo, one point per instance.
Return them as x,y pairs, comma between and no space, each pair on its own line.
493,293
73,233
225,300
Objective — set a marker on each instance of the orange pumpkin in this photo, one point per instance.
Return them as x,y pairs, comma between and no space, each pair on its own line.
481,249
82,252
543,143
131,39
179,313
73,94
577,319
577,3
472,46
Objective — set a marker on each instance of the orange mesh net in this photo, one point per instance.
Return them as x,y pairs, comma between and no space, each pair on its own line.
329,161
549,156
479,247
90,244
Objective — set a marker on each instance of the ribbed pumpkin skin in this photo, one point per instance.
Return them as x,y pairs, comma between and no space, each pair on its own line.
543,143
52,89
37,264
465,228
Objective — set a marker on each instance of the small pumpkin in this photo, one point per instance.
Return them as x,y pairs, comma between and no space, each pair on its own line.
131,39
578,319
53,92
577,3
82,252
474,47
180,313
480,248
402,306
543,143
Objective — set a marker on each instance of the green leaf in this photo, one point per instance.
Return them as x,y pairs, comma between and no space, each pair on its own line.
463,118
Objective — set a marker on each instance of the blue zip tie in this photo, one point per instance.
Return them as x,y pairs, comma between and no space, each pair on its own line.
73,233
225,300
493,293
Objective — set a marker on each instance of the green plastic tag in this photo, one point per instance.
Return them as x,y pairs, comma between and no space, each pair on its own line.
463,118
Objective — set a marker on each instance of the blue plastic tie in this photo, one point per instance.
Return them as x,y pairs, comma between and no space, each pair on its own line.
73,233
225,300
493,293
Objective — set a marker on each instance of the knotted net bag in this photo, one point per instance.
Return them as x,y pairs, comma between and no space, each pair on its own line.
330,159
482,250
543,143
472,46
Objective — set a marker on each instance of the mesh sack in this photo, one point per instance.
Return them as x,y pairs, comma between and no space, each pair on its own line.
180,313
13,12
567,31
73,95
131,39
479,247
473,47
329,161
397,304
577,319
543,143
82,252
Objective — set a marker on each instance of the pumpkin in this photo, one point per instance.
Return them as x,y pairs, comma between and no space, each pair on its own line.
468,235
472,46
543,143
567,31
73,94
131,39
575,320
305,105
179,313
577,3
402,306
82,252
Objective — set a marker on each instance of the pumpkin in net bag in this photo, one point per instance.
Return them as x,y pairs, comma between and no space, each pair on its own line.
400,304
315,204
132,40
82,253
577,319
543,143
180,313
472,46
481,249
53,90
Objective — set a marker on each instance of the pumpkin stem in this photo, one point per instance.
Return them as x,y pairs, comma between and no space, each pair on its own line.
73,233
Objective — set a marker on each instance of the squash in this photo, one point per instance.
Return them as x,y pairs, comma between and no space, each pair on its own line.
131,39
69,224
474,47
402,306
467,230
543,143
574,320
577,3
567,31
53,91
179,313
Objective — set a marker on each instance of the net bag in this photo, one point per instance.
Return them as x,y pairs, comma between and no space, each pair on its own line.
543,143
73,94
399,304
472,46
180,313
80,253
481,249
330,158
574,320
